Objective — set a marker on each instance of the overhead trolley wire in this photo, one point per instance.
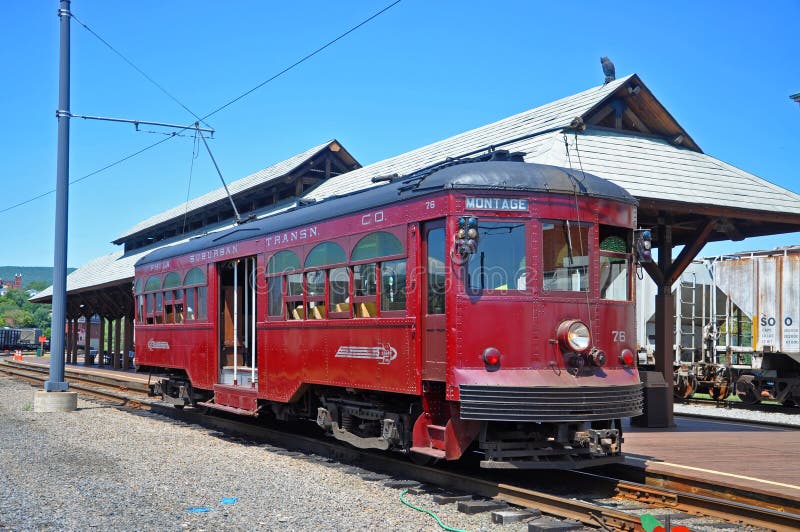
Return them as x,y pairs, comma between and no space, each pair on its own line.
215,111
304,59
136,68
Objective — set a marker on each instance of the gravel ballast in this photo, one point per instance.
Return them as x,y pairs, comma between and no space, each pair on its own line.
754,416
104,468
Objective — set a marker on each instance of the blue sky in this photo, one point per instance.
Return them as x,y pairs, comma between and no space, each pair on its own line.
423,71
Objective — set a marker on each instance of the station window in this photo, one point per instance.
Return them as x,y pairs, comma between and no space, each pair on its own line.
195,293
565,256
499,262
615,261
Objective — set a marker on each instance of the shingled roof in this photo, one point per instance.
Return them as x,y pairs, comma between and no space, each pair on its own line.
240,187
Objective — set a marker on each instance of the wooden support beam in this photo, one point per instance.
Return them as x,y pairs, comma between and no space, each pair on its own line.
600,115
689,252
109,347
101,341
638,124
664,306
655,274
117,343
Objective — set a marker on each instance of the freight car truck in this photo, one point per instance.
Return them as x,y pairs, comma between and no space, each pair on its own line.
766,287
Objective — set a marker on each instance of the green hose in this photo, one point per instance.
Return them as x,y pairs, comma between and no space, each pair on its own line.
417,508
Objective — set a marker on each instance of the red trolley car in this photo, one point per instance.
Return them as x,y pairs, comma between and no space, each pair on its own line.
482,304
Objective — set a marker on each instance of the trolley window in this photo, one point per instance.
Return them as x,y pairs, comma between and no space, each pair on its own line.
195,296
436,271
172,280
565,256
281,263
152,284
365,290
339,292
499,262
393,286
325,254
378,244
615,260
315,295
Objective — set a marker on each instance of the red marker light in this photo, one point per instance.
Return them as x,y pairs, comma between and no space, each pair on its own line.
626,357
491,356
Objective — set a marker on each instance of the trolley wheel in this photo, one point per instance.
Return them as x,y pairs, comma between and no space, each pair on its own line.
746,390
685,386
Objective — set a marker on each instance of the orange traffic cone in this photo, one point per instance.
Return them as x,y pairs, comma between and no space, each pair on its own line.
18,355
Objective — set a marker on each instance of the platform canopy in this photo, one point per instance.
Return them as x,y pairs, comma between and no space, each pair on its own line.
268,191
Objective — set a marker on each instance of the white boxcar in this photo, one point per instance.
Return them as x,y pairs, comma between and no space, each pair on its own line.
767,289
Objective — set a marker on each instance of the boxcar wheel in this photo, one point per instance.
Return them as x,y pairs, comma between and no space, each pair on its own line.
746,390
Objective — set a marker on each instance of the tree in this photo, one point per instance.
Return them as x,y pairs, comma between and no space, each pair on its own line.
17,311
38,286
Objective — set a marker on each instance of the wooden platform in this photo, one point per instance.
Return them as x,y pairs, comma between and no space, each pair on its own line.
754,458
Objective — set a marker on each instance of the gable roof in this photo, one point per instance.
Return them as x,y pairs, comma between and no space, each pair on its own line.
256,179
554,116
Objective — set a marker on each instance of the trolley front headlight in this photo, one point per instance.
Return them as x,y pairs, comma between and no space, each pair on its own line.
573,335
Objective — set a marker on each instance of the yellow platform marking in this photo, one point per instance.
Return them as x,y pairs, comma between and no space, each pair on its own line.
692,468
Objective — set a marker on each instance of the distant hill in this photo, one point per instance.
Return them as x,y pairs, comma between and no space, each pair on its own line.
29,274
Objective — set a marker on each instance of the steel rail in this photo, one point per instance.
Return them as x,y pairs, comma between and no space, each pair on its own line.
39,375
701,504
77,375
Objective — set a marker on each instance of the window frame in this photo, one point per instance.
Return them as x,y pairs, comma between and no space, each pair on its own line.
281,276
591,254
528,231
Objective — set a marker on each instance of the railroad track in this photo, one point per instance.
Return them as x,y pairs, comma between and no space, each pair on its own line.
602,494
125,392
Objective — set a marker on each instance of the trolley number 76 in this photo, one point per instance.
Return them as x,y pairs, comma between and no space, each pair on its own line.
618,336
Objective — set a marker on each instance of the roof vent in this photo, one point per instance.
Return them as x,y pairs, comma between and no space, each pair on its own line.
505,155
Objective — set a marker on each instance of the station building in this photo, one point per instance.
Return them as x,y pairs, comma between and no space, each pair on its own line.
618,131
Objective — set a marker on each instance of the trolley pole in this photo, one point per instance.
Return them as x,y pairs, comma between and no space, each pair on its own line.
56,382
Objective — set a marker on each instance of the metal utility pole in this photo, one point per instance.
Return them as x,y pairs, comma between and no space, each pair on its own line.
56,382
